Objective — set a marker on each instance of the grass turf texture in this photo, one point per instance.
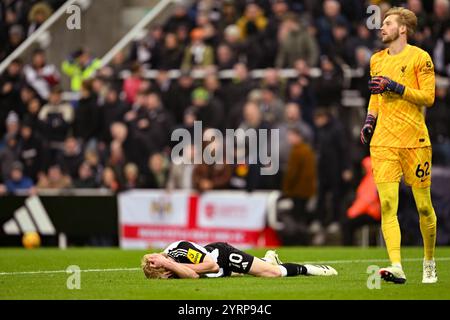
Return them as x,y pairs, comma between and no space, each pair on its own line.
351,283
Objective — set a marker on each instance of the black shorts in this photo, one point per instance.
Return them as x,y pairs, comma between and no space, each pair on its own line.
231,259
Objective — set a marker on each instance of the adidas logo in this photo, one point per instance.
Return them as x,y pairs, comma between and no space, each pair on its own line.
32,217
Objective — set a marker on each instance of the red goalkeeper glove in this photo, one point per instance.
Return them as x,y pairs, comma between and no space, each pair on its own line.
368,129
380,84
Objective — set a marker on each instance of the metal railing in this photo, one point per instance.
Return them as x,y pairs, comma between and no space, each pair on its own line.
131,35
35,35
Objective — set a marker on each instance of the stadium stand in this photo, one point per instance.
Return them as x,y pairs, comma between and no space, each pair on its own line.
299,66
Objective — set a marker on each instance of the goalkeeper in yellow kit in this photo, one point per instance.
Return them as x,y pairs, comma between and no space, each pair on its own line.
402,83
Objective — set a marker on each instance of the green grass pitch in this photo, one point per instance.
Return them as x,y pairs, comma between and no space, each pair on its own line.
115,274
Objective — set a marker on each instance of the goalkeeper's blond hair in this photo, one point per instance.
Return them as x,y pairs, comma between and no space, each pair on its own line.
405,17
150,271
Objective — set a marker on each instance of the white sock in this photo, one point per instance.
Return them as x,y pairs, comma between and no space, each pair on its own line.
399,265
283,270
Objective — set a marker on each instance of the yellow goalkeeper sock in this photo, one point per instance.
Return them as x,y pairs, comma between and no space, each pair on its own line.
388,193
427,218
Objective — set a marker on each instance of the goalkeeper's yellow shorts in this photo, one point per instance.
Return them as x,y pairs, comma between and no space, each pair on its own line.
390,164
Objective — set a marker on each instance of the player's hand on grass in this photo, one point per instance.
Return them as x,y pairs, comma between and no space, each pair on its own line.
380,84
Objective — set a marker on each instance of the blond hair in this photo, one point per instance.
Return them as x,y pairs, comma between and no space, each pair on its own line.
150,271
405,17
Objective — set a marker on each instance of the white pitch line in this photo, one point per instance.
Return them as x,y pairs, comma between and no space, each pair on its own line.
138,269
64,271
370,260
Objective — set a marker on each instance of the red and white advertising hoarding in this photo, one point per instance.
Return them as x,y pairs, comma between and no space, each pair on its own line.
155,218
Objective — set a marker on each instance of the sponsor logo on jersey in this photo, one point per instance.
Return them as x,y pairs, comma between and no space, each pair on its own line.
194,256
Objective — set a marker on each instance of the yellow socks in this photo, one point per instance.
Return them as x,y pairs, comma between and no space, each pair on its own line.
388,193
427,218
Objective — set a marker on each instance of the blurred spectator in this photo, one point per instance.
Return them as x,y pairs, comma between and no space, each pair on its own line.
295,43
331,16
146,51
152,126
252,119
27,95
328,86
57,117
117,160
179,18
300,177
237,91
438,123
86,122
198,54
12,128
18,182
214,87
157,172
113,110
181,169
292,119
271,106
208,110
109,180
416,6
99,88
86,177
179,97
280,8
113,71
214,176
232,38
32,116
15,37
172,52
40,12
80,66
8,155
132,178
133,84
422,39
362,65
40,75
340,48
440,18
71,158
92,158
274,82
226,58
302,92
162,86
441,53
55,179
366,208
11,82
31,151
333,169
363,37
252,21
252,26
133,150
229,14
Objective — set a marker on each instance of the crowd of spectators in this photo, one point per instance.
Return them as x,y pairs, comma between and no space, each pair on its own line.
117,135
20,18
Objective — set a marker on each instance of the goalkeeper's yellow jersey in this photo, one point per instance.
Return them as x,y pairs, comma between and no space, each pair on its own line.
401,120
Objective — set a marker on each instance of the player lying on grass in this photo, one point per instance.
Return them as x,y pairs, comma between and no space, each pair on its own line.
184,259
